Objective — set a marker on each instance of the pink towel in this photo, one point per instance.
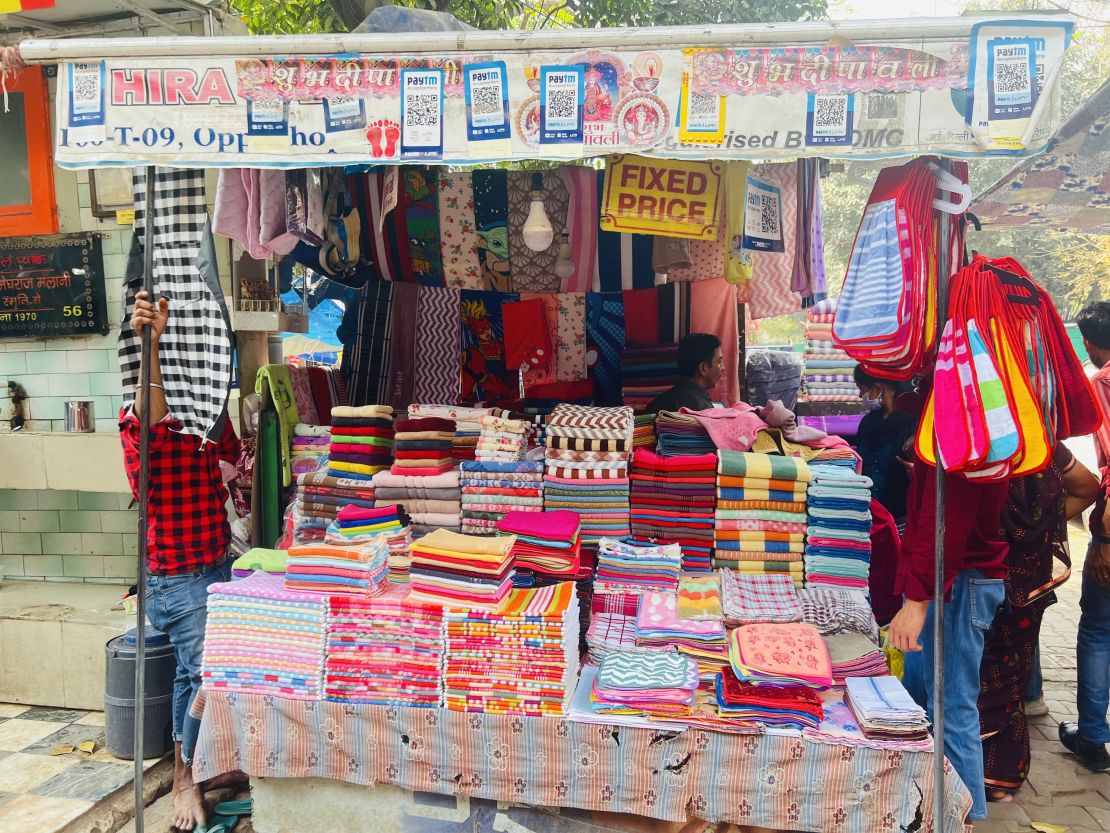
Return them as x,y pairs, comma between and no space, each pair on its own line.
713,309
733,428
582,219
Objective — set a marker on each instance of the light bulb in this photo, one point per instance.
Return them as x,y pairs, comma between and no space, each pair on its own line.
537,231
660,278
564,266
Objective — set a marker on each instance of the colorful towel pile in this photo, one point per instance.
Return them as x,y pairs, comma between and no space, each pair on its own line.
384,651
647,372
751,599
431,502
612,626
502,440
586,455
674,499
256,558
628,566
361,441
423,447
659,625
792,706
832,610
320,497
793,654
547,543
356,525
761,514
645,683
264,639
854,655
462,571
468,425
361,569
643,435
838,544
310,450
521,660
885,710
490,489
681,434
828,370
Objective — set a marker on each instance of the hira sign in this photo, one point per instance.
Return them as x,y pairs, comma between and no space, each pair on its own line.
663,196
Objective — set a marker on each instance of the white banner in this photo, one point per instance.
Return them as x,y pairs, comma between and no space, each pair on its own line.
993,93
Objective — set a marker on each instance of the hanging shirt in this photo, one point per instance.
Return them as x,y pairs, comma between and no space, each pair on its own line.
686,394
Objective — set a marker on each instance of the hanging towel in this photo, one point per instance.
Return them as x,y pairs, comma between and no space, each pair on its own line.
437,365
535,271
491,220
402,346
275,378
624,261
570,361
605,336
380,229
366,361
484,375
674,311
458,237
738,262
713,306
419,206
582,220
543,372
769,292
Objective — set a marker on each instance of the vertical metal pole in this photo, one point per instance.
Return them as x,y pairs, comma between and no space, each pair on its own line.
144,495
944,267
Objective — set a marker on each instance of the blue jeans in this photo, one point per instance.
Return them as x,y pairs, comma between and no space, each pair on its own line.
1035,689
967,618
1092,652
178,606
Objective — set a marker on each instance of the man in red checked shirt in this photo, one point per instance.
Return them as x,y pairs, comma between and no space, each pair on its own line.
187,540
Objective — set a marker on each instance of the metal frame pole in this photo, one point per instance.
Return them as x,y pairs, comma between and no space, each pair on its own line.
944,268
144,495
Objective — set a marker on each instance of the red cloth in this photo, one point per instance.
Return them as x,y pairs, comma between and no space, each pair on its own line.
641,316
527,336
413,426
973,537
321,393
886,550
187,527
340,431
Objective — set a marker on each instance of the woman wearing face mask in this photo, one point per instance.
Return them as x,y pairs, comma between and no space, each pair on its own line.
884,441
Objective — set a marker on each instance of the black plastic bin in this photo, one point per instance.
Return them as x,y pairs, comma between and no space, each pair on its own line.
119,695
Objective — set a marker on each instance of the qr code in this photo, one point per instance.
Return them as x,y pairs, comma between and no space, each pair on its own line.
769,216
562,104
703,106
830,112
422,110
86,86
882,106
486,100
1011,77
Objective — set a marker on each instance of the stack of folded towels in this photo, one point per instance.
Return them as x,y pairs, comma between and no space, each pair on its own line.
828,369
431,502
310,447
854,655
761,504
658,624
264,639
780,654
626,566
842,456
885,710
257,558
361,441
523,659
612,626
384,650
468,425
647,372
502,440
490,489
754,599
674,499
680,433
645,683
548,544
422,447
320,496
791,706
833,611
643,435
586,455
838,547
462,571
356,525
361,569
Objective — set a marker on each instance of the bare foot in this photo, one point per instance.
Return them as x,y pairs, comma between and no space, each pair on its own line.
188,810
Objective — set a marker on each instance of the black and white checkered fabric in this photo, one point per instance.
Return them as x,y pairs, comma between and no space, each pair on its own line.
196,349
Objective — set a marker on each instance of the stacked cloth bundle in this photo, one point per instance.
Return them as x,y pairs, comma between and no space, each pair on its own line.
838,547
320,496
645,683
630,567
361,441
423,447
502,440
264,639
842,456
647,372
490,489
833,611
780,654
310,447
828,369
751,599
674,499
643,435
791,706
522,659
361,569
357,525
680,433
586,456
431,502
462,571
612,626
658,624
761,513
547,543
256,558
468,425
854,655
885,710
384,650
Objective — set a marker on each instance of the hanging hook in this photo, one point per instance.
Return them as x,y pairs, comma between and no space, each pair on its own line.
950,183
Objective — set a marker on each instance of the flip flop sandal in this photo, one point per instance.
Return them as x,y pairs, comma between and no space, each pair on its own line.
219,824
243,807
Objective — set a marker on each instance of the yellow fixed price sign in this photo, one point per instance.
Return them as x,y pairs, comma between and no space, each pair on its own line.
663,196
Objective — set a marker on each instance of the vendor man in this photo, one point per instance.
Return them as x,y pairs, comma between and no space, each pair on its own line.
187,540
700,365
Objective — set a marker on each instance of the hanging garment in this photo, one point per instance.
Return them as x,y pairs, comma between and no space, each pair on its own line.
195,352
304,205
582,229
713,309
674,312
402,346
543,372
641,316
458,236
366,361
624,261
418,206
769,291
808,278
535,271
380,229
484,375
738,261
605,337
570,348
437,366
491,219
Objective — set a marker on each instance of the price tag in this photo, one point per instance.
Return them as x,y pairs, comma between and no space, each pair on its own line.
125,217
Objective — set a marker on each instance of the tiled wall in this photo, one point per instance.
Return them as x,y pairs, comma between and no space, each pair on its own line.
68,536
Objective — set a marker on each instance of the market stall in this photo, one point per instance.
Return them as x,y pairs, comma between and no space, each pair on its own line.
672,110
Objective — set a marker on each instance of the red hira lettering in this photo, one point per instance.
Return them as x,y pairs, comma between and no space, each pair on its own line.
170,86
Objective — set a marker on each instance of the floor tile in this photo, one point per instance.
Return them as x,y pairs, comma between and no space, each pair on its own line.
21,773
53,715
12,710
92,719
88,781
72,735
19,733
6,797
40,813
